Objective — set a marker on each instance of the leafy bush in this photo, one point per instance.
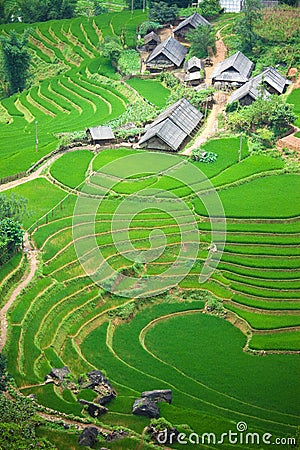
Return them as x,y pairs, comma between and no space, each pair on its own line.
201,39
148,26
208,9
129,62
203,156
274,114
162,12
168,79
196,98
138,113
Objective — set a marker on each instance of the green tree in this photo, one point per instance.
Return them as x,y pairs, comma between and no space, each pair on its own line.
201,39
41,10
17,426
7,10
89,8
209,8
162,12
12,211
16,60
112,49
3,373
273,114
14,206
245,27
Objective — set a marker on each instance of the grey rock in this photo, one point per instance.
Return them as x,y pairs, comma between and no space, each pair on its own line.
103,400
170,435
59,374
145,407
114,435
100,384
160,395
93,409
88,437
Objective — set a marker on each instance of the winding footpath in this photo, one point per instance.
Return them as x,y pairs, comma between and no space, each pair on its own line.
220,98
32,255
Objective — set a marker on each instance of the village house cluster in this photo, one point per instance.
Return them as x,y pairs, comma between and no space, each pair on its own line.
173,127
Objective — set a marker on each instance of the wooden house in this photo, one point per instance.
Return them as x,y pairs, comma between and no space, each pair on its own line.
194,65
151,40
190,24
270,81
234,70
172,127
194,78
100,135
169,54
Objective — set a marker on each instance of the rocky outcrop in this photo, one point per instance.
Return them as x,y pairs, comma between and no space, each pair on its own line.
88,437
57,375
145,407
160,395
167,437
114,435
100,384
93,409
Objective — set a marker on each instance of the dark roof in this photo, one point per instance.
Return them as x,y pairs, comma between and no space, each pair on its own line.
172,50
272,77
194,21
194,62
101,133
183,113
236,68
168,132
174,124
250,88
151,37
256,86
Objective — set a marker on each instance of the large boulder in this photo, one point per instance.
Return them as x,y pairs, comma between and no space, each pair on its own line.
159,395
145,407
60,374
168,436
93,409
100,384
88,437
102,399
57,375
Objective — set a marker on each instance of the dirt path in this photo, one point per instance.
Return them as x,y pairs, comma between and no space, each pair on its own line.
220,55
211,126
33,263
38,172
220,98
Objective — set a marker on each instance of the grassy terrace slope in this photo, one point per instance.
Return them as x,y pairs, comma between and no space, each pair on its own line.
80,95
65,318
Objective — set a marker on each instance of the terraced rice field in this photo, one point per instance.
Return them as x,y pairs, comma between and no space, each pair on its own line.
86,92
65,318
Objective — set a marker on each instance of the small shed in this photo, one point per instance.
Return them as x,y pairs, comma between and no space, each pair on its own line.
169,54
194,65
248,93
172,127
235,69
151,40
100,135
190,24
274,82
194,78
